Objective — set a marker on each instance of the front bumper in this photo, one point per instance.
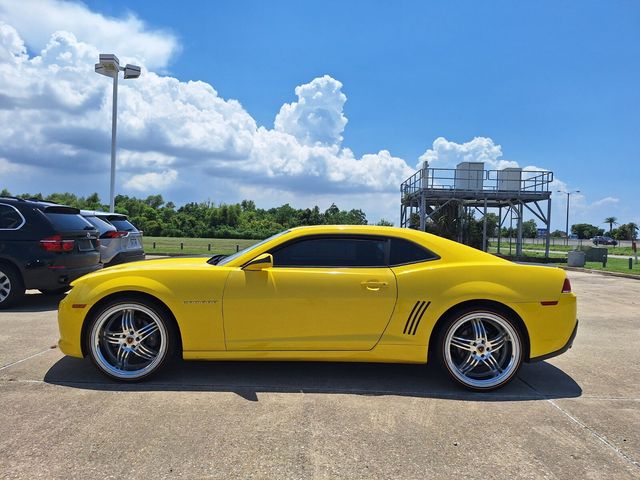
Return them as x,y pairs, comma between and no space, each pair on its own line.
70,320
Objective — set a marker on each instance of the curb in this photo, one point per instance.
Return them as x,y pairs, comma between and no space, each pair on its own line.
600,272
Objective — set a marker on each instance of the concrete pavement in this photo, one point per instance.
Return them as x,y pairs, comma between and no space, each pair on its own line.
574,416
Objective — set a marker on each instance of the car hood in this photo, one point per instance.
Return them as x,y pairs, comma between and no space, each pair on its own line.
177,263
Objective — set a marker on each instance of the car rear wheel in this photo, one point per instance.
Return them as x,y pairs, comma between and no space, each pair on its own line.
11,286
480,349
130,340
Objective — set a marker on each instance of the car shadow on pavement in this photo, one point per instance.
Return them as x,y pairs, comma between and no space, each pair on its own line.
37,302
536,381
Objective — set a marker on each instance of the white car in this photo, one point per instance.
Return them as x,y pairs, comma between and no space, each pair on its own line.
120,241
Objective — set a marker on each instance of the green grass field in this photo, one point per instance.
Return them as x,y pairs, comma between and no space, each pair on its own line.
205,246
620,265
566,248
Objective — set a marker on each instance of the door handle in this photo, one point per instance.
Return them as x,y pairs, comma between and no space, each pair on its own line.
374,285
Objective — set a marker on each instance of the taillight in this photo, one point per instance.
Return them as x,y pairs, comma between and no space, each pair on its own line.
566,286
55,243
115,234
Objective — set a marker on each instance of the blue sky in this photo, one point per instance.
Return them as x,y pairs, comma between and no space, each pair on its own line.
555,84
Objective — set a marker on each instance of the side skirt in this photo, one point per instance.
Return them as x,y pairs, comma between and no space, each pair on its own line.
380,353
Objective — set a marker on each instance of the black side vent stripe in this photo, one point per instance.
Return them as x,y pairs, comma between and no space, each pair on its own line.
411,327
415,328
406,325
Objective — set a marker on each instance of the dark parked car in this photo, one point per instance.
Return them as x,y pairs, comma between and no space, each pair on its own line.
600,240
43,246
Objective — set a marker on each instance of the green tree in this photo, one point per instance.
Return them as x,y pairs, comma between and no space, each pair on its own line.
384,223
611,221
529,229
627,231
586,230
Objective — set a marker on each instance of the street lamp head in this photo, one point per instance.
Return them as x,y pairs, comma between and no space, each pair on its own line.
131,71
109,65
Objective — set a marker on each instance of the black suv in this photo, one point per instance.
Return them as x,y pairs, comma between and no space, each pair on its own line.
43,245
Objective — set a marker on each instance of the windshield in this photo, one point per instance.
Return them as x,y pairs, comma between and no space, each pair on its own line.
230,258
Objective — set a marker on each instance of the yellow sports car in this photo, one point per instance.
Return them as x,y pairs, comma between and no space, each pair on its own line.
325,293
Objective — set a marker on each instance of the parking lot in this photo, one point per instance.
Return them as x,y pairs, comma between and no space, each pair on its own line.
574,416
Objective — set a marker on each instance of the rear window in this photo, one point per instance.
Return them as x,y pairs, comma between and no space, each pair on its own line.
404,251
68,221
102,226
123,225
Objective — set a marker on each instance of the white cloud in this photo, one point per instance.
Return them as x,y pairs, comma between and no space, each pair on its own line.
447,154
316,118
151,182
57,111
37,20
605,201
7,167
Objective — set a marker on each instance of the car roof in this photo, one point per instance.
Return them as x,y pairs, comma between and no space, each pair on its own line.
37,203
97,213
444,248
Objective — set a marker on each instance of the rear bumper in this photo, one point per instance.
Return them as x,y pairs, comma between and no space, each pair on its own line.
560,351
124,257
52,277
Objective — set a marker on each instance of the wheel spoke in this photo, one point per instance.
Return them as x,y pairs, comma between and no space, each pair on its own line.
122,355
479,330
144,352
491,362
114,338
146,331
462,343
469,364
497,342
127,321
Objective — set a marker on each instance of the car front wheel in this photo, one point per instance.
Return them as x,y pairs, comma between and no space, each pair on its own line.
130,340
480,349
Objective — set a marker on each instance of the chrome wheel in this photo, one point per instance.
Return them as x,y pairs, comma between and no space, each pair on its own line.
129,341
5,286
482,350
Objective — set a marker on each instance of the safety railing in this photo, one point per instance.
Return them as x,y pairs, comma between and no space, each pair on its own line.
511,180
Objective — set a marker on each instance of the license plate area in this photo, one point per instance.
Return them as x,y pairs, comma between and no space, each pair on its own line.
85,245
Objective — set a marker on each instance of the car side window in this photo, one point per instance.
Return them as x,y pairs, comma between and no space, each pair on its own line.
404,251
10,218
332,252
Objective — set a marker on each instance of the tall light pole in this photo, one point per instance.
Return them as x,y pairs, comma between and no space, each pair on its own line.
109,66
568,194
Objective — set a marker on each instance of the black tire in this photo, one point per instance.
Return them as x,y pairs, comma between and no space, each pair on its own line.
110,345
11,286
54,291
459,347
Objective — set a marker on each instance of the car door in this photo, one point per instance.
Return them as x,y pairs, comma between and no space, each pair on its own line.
322,293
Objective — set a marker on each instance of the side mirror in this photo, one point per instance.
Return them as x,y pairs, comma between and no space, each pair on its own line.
259,263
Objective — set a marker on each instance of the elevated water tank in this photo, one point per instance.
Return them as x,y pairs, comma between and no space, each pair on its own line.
469,176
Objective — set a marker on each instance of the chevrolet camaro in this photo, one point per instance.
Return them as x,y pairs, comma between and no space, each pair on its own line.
325,293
